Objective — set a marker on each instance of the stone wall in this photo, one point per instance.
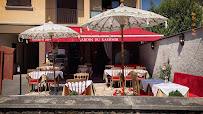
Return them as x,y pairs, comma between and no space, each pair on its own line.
187,58
99,104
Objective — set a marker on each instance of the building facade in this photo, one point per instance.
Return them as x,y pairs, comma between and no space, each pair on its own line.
20,15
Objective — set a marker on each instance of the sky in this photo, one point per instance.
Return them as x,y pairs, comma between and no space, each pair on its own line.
146,3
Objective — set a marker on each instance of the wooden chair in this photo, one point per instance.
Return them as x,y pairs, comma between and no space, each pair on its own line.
143,68
141,75
50,73
81,76
82,66
33,81
135,83
108,66
116,76
74,83
127,75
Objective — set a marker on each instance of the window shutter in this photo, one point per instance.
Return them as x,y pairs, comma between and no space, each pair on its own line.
18,3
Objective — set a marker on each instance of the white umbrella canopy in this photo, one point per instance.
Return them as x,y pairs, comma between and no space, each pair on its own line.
46,31
121,18
112,20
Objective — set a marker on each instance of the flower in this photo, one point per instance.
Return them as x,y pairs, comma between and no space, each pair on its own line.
164,68
123,89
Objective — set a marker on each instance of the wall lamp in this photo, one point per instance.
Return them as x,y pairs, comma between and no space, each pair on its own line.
152,45
181,39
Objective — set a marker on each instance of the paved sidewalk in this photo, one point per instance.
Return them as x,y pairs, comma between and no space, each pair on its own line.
12,87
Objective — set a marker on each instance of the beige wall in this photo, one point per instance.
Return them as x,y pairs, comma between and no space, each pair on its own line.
41,53
185,59
37,16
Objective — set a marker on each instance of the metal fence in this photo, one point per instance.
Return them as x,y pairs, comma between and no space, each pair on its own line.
62,15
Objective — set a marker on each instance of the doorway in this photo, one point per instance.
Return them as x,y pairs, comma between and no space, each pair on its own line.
99,58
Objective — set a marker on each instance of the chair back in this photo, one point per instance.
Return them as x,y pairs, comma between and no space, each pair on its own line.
108,66
88,64
116,68
77,85
34,75
81,76
143,68
82,66
129,68
47,68
49,73
115,74
31,70
135,83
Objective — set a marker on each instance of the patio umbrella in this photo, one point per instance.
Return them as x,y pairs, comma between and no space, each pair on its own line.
121,18
48,30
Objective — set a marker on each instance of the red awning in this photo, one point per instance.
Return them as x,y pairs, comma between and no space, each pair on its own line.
129,35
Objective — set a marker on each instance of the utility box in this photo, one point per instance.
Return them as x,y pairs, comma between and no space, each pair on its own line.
6,64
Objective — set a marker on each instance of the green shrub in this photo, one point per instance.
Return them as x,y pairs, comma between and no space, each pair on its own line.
74,93
176,93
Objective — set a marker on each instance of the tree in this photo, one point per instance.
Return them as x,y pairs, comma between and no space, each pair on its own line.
182,14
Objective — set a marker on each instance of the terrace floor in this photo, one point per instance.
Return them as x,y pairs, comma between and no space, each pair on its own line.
12,87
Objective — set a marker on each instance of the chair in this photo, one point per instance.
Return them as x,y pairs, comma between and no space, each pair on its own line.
141,75
82,66
81,76
81,69
127,75
77,85
143,68
135,83
31,80
49,77
116,76
108,66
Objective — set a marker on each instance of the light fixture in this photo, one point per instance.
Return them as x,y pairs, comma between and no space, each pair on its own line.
152,45
181,39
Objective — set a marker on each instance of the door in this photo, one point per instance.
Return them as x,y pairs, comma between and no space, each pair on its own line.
74,57
99,58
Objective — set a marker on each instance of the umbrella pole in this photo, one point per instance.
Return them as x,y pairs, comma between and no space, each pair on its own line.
122,54
52,46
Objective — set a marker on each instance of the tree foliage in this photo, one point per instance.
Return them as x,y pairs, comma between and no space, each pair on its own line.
180,14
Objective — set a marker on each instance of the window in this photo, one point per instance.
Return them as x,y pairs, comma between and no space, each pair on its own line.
115,4
18,3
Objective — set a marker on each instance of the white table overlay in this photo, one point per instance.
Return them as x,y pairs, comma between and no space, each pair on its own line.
166,88
81,86
38,74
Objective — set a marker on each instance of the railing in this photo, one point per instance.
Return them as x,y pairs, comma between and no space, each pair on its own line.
62,15
94,12
65,15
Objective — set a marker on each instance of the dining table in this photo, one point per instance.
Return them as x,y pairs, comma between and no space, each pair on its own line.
49,74
68,87
50,67
162,88
126,72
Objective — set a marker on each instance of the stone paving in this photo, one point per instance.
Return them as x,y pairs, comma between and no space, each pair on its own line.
12,87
